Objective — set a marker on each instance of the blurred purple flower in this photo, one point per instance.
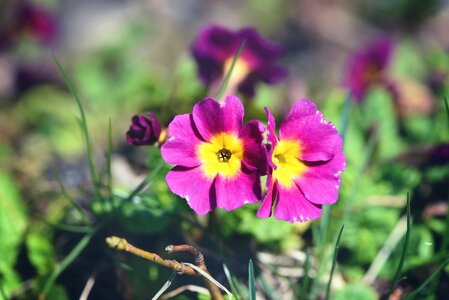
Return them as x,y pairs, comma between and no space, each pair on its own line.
367,68
215,48
143,130
30,19
37,22
426,156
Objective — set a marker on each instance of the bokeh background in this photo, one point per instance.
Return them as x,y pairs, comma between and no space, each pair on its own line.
129,57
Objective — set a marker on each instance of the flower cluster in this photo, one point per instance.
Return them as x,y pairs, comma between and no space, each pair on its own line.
219,160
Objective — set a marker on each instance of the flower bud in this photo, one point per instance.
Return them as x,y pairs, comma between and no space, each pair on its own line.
144,130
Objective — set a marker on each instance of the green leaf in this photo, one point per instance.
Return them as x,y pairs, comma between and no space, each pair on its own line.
13,220
40,249
251,281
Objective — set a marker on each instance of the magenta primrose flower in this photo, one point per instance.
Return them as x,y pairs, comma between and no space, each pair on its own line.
218,160
306,162
368,66
215,48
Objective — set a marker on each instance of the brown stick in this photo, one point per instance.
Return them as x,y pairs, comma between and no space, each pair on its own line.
199,261
123,245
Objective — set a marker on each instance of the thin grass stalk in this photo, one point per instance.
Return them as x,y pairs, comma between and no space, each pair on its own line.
225,83
76,251
445,243
2,292
334,262
83,125
416,292
269,291
146,181
404,252
109,158
68,197
306,280
234,289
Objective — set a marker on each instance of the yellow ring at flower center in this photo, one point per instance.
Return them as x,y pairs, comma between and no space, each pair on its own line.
221,155
286,157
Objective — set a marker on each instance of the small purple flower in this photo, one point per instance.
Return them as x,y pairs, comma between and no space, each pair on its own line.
306,163
215,48
218,160
37,22
144,130
367,68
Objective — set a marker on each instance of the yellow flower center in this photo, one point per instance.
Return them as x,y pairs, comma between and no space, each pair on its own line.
240,71
285,157
222,155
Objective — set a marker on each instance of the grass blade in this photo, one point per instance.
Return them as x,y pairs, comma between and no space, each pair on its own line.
234,289
109,157
83,124
67,261
2,292
306,280
251,281
404,252
164,287
147,180
416,292
334,261
69,198
446,105
267,288
225,83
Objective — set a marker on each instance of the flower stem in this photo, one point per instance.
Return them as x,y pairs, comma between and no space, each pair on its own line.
179,267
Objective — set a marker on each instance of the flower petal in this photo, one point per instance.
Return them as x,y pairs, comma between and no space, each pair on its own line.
292,206
180,148
192,185
254,151
234,192
319,139
271,137
267,202
212,118
259,47
321,181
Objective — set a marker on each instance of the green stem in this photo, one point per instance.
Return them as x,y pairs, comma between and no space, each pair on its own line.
224,85
334,262
404,252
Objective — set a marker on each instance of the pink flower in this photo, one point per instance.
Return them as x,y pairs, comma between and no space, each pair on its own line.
306,161
215,48
218,160
367,68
